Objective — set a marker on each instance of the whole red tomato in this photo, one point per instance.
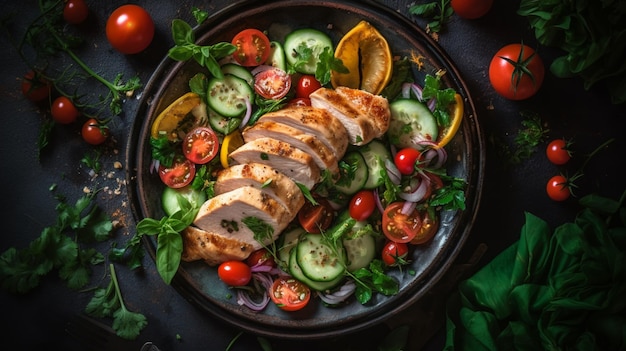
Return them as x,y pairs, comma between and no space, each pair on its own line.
516,72
93,133
75,11
558,188
234,273
130,29
307,84
558,151
471,9
35,88
63,110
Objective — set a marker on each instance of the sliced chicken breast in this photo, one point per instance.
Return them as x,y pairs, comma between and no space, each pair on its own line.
212,248
224,214
267,179
375,107
315,121
324,157
282,156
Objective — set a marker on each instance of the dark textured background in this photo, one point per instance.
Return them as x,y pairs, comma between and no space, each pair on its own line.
38,320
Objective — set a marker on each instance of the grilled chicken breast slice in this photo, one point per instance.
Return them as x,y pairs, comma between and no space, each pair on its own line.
224,214
324,157
212,248
282,156
361,126
375,107
315,121
267,179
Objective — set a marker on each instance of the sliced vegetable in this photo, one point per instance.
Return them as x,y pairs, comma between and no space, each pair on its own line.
171,199
277,56
303,48
230,143
272,83
169,120
411,122
398,226
201,145
353,174
317,259
227,96
360,251
179,174
290,294
252,47
375,154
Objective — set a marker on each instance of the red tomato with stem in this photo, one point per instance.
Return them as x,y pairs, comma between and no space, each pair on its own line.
394,254
130,29
179,174
94,133
307,84
471,9
516,72
315,218
558,151
201,145
252,47
399,227
75,11
362,205
35,88
63,110
234,273
272,83
558,188
406,159
290,294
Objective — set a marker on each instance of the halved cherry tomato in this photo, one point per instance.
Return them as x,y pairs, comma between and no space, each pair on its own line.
394,254
362,205
558,188
299,101
252,47
430,225
261,257
75,11
130,29
234,273
63,110
35,88
290,294
179,174
406,159
307,84
93,133
201,145
399,227
272,83
314,218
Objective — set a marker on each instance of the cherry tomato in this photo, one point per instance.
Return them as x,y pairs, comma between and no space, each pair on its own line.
471,9
179,174
272,83
63,110
252,47
130,29
362,205
394,254
93,133
75,11
314,218
261,257
306,85
35,88
201,145
430,225
516,72
234,273
558,152
558,188
290,294
301,101
400,227
406,159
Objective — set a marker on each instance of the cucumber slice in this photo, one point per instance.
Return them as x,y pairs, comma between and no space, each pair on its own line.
296,272
375,153
238,71
221,124
316,259
170,199
277,56
310,38
411,121
227,96
355,161
360,251
288,241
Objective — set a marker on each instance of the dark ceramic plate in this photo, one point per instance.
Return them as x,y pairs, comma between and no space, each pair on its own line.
199,283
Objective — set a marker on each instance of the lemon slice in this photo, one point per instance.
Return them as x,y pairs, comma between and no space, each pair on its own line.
455,122
169,120
366,54
230,143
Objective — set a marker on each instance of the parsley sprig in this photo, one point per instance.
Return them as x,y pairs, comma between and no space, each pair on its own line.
436,12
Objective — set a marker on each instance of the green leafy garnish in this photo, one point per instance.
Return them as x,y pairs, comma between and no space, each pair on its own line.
444,97
437,12
525,142
186,48
328,63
